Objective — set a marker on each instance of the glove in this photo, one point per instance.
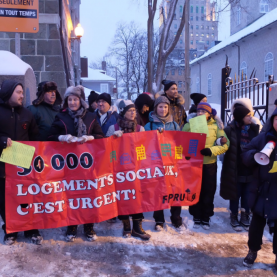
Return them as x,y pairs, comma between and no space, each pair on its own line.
160,129
206,152
221,141
85,138
118,133
67,138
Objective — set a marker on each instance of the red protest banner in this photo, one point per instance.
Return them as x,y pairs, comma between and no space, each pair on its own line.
70,184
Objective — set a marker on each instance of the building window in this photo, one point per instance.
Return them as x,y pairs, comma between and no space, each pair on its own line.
264,6
196,34
104,88
198,85
202,9
197,27
202,35
268,65
210,84
182,55
207,35
202,27
191,18
172,71
175,26
207,42
196,18
202,17
243,70
181,41
208,27
175,33
191,42
166,72
191,34
238,15
197,9
180,92
175,17
191,26
191,9
180,72
181,9
212,34
197,41
179,84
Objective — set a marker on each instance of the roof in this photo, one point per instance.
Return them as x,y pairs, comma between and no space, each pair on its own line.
96,75
11,64
262,22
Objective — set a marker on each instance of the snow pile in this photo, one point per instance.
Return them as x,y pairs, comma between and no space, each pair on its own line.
97,75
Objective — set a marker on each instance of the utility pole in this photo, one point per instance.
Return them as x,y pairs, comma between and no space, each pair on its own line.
187,45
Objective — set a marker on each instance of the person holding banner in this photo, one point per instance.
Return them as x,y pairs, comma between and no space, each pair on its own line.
261,156
128,124
215,145
161,119
76,124
17,124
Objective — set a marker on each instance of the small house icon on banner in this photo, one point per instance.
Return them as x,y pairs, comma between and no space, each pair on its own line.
125,159
155,155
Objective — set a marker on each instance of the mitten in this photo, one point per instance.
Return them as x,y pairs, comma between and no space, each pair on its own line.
118,133
221,141
67,138
85,138
206,152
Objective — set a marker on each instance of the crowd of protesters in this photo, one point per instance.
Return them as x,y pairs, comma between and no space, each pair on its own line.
248,185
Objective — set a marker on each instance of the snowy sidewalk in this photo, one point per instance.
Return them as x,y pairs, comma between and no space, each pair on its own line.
217,252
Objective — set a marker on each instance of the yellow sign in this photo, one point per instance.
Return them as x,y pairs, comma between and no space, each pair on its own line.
199,124
18,154
19,16
274,168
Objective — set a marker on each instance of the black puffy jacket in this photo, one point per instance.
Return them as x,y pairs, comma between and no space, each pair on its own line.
263,192
17,123
64,125
232,161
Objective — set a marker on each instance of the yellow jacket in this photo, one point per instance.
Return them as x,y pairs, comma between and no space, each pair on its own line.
216,130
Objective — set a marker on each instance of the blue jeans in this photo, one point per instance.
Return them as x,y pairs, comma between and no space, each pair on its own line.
242,195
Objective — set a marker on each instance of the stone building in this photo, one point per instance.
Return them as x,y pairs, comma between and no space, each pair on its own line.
203,34
249,48
51,53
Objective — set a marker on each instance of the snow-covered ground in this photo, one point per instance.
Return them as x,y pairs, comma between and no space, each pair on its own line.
217,252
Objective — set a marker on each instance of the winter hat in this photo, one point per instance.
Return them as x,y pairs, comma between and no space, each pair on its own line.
143,99
82,90
161,99
275,102
7,89
124,106
74,91
106,97
168,84
45,87
240,112
197,97
205,106
92,97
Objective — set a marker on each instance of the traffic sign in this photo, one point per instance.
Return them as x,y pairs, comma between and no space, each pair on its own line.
19,16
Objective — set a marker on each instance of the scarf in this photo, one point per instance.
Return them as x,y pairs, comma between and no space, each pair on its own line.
127,126
244,135
163,119
79,124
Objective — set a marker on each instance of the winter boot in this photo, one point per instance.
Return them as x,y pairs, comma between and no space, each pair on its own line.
206,223
197,223
245,220
34,235
126,228
178,224
89,232
235,223
10,239
159,227
112,220
138,231
250,258
71,233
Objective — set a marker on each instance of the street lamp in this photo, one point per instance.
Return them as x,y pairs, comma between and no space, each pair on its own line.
79,32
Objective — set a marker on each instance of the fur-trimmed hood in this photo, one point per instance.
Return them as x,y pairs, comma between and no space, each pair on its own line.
246,102
180,100
217,119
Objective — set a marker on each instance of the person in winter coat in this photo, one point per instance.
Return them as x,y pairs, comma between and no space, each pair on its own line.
92,101
263,191
161,119
46,107
176,100
235,176
128,124
75,124
106,117
204,209
247,104
17,124
144,105
197,98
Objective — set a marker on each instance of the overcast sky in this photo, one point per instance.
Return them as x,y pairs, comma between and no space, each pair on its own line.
99,19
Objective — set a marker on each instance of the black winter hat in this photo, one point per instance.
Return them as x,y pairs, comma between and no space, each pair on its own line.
168,84
7,89
143,99
92,97
197,97
240,112
106,97
275,102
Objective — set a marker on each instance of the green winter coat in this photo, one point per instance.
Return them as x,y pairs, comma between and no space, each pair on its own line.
216,130
44,115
